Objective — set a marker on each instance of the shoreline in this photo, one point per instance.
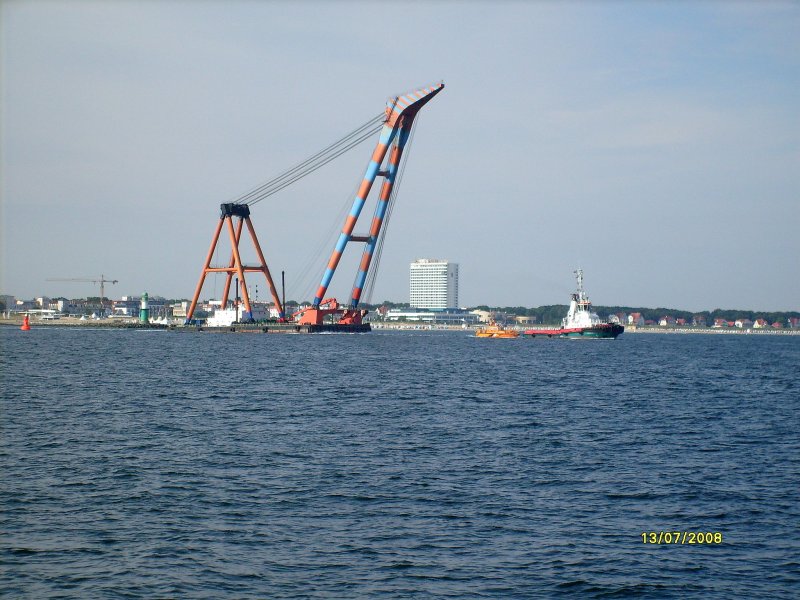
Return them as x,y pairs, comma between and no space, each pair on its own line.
130,324
628,329
711,330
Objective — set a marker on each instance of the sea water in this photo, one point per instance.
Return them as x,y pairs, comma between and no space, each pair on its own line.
397,465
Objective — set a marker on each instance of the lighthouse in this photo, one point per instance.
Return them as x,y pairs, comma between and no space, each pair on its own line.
144,311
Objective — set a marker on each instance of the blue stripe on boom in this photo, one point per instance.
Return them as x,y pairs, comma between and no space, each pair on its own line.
372,170
358,204
362,277
380,210
326,278
387,135
342,242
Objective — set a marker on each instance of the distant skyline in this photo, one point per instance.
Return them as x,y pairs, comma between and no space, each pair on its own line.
655,145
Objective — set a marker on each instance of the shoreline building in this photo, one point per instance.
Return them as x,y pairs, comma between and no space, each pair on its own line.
433,291
433,284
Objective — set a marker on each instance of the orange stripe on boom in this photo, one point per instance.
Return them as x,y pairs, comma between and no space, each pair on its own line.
335,257
349,223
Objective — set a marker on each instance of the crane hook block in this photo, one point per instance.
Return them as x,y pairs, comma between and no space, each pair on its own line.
232,209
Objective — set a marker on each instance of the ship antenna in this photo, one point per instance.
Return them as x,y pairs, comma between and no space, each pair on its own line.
579,277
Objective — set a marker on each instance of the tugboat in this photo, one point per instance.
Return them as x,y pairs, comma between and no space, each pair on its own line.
580,321
493,330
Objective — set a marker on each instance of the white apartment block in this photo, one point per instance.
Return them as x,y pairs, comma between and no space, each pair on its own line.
433,284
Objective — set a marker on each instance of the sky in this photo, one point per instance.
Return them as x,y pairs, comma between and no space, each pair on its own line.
655,145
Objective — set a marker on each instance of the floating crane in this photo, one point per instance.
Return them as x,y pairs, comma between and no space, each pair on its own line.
400,113
395,126
102,281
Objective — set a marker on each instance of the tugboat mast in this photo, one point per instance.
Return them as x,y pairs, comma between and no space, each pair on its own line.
582,297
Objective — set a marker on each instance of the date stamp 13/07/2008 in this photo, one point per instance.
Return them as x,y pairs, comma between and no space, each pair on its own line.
694,538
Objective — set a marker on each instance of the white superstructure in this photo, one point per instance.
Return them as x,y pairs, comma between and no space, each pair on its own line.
433,283
580,309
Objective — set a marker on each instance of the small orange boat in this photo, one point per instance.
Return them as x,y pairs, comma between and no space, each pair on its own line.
493,330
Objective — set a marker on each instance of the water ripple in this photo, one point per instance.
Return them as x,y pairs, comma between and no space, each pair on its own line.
396,465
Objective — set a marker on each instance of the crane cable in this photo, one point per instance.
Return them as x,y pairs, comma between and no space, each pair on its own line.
308,275
314,162
310,170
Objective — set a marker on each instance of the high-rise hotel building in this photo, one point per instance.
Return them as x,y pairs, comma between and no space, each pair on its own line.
433,284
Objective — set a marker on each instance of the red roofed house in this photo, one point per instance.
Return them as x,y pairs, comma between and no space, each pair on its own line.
636,319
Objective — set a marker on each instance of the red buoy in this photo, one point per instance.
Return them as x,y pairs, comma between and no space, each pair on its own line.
26,323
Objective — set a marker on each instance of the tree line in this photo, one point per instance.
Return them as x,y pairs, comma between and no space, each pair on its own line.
553,313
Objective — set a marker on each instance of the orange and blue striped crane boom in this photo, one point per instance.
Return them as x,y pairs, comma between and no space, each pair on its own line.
400,113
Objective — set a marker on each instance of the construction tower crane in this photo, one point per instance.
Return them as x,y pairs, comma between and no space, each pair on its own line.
102,281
